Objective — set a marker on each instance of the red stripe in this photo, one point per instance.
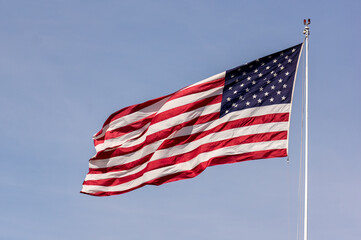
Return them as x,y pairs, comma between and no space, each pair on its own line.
180,158
278,117
179,110
131,109
198,88
201,167
122,167
124,130
155,118
183,92
186,108
155,137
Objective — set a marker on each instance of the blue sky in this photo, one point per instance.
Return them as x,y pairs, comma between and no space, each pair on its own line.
66,65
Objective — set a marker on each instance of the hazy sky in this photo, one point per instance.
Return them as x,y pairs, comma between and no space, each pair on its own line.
66,65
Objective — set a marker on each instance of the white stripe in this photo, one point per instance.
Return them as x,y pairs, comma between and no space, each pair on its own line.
189,165
113,142
185,148
214,77
187,99
130,118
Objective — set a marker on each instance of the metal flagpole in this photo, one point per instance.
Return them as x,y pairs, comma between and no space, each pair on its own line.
306,32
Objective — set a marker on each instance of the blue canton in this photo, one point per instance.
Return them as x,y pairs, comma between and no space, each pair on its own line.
265,81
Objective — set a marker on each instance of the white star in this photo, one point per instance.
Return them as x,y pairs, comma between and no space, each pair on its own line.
268,82
244,73
275,74
287,73
256,71
254,96
260,75
261,89
286,57
241,98
232,76
293,50
257,60
262,64
235,92
266,94
271,99
278,92
247,89
237,80
259,100
249,78
283,97
227,111
228,99
253,82
275,60
282,67
242,84
281,54
284,85
280,80
268,67
272,72
230,88
279,65
289,60
273,87
247,103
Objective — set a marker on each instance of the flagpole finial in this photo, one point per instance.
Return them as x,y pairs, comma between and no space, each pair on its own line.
306,31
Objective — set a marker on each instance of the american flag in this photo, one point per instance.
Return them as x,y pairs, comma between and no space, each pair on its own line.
237,115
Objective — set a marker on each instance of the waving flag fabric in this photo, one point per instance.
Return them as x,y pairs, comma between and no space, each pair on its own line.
237,115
